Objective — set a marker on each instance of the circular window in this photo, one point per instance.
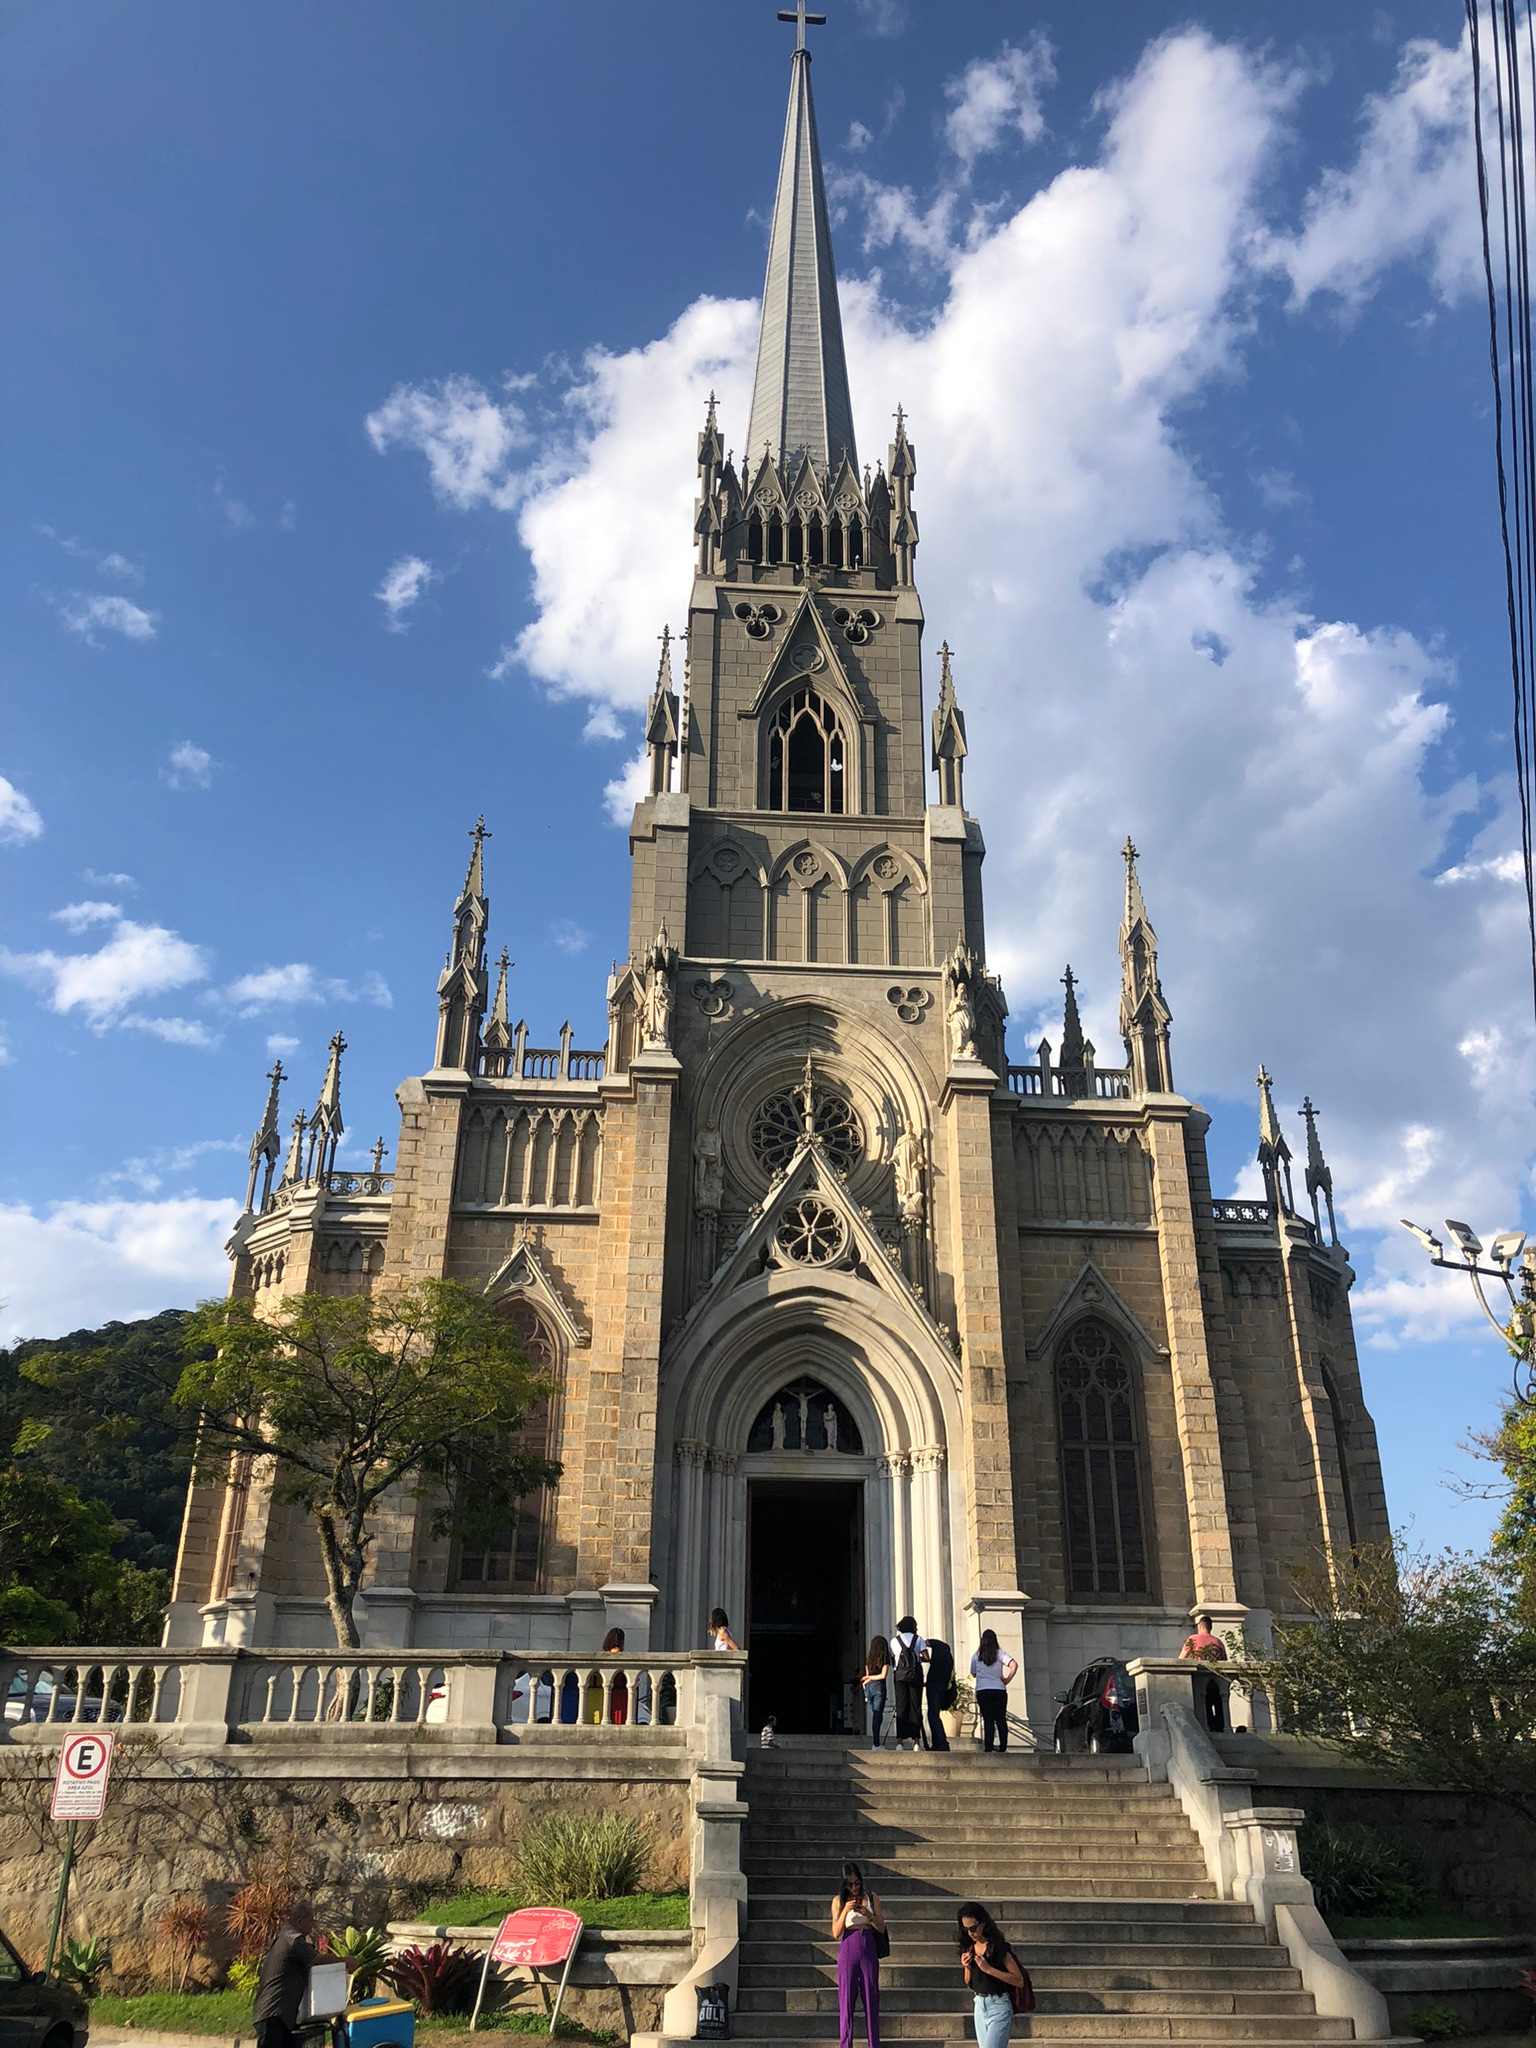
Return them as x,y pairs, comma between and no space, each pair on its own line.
777,1125
810,1234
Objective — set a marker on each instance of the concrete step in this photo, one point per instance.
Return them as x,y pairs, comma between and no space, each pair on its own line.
1005,1823
1077,1886
1095,2027
1113,1916
1078,1986
1230,1958
962,1873
1025,1852
938,1998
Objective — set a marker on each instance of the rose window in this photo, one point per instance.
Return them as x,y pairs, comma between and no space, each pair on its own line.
778,1124
810,1233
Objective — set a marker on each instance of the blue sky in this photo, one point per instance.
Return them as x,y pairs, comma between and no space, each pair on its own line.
350,464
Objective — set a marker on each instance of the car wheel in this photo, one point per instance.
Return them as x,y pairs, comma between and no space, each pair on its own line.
59,2037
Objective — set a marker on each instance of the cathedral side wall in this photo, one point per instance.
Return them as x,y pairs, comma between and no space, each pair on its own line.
1289,1525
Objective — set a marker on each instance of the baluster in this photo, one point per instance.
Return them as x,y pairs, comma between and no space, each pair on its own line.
397,1673
266,1705
297,1673
605,1709
82,1679
55,1673
157,1678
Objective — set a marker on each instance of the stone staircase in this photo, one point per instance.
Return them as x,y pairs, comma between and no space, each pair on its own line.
1095,1876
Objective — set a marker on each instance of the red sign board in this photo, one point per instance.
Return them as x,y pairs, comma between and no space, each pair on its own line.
536,1938
80,1782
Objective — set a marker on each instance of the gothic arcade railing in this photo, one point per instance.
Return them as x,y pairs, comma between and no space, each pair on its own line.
1259,1214
1102,1084
524,1062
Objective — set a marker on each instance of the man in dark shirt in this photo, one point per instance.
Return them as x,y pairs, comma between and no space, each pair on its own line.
284,1978
939,1686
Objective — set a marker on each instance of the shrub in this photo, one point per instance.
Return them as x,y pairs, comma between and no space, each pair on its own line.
256,1912
364,1950
583,1856
1356,1871
1436,2023
84,1964
241,1976
184,1928
441,1979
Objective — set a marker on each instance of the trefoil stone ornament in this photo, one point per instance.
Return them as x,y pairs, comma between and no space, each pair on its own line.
758,619
713,995
909,1003
857,625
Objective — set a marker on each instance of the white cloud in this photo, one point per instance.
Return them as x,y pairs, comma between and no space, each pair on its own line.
627,788
1409,196
76,917
996,99
110,562
109,880
273,988
1500,867
404,581
238,515
20,819
174,1031
77,1264
114,564
468,439
136,961
569,936
281,1042
859,137
7,1057
883,17
149,1171
88,614
188,766
503,665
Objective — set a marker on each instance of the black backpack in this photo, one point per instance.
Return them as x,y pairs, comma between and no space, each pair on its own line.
908,1668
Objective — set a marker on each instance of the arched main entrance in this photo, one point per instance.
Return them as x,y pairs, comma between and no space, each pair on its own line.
819,1529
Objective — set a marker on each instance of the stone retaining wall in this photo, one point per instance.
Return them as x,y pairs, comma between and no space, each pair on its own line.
372,1833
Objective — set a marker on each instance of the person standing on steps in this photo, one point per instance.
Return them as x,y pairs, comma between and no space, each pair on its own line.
909,1653
992,1673
939,1690
993,1975
876,1673
720,1637
858,1928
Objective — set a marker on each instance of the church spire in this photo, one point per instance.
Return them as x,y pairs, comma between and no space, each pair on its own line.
661,726
498,1033
267,1145
1319,1173
1072,1067
1144,1015
326,1126
902,467
1274,1155
461,987
949,748
800,400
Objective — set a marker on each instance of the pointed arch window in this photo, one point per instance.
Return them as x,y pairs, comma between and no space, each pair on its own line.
1098,1407
796,538
807,756
813,541
855,542
1341,1434
835,543
512,1558
775,538
755,537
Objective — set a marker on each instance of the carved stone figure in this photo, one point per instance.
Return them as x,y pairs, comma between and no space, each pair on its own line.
829,1423
805,1422
658,997
961,1014
708,1173
778,1425
907,1159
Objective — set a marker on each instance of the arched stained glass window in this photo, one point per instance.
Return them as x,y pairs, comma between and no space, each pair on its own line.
1098,1405
496,1562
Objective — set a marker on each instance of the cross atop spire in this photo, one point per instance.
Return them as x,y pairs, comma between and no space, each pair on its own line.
266,1145
949,747
474,881
800,400
1274,1154
803,19
1319,1174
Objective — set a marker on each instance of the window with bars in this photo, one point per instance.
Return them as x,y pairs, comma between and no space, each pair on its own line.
1098,1405
512,1558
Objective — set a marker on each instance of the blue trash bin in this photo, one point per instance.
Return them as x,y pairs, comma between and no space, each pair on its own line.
381,2023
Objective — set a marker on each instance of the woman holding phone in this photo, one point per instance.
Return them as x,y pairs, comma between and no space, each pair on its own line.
858,1922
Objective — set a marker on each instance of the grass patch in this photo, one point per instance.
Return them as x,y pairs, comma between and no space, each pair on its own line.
487,1908
177,2012
446,2031
1421,1927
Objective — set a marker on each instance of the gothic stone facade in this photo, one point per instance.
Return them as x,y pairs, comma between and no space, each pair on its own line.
811,1263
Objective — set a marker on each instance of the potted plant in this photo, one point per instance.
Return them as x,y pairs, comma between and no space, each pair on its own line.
959,1718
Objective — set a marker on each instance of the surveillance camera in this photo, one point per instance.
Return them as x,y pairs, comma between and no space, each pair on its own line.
1507,1247
1427,1238
1466,1237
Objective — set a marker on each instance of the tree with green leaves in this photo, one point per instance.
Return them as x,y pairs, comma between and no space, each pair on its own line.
1422,1666
345,1398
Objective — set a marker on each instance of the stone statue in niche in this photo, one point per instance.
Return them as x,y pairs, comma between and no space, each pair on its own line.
907,1159
659,963
778,1425
708,1173
805,1422
961,1013
829,1424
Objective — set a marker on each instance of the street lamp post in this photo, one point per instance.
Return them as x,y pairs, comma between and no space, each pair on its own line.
1514,1265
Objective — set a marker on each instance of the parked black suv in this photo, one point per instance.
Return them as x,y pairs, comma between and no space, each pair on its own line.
38,2011
1099,1711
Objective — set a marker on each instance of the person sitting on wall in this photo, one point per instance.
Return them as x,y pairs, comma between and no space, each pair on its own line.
1204,1643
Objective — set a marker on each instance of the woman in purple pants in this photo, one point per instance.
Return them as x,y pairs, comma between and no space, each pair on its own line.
857,1918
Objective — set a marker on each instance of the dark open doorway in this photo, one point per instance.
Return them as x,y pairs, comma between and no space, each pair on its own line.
805,1579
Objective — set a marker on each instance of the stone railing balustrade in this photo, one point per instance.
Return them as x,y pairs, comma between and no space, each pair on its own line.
1259,1213
217,1695
1093,1084
359,1183
562,1062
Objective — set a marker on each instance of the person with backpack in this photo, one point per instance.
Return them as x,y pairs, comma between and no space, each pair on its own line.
874,1679
909,1653
993,1974
858,1928
993,1673
939,1689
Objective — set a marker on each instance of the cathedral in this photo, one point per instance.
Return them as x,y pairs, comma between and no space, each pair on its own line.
847,1316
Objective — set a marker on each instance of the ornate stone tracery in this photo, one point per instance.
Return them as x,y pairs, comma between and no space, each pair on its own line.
778,1125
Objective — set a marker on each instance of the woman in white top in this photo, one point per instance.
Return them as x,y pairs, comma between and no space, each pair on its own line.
857,1919
992,1673
720,1637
